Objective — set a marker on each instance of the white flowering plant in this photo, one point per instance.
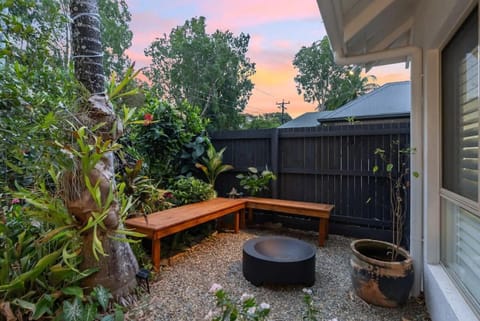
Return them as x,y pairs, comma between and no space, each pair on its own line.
311,312
245,309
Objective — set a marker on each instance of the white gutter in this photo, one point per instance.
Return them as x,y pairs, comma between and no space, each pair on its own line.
416,141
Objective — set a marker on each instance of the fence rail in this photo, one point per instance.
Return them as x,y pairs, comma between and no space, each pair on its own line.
322,164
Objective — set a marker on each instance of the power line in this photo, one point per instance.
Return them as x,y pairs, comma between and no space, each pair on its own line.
263,92
283,108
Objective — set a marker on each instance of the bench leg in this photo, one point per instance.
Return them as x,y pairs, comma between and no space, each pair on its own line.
242,219
322,231
250,215
326,229
237,221
156,254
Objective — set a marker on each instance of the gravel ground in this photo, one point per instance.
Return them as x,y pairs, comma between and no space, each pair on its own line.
180,291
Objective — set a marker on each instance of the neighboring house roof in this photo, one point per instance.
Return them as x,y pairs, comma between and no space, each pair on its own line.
391,100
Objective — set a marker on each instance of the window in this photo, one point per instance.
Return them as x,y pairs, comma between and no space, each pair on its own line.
460,219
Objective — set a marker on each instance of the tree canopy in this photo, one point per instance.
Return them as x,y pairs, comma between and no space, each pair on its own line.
116,34
264,121
322,81
210,71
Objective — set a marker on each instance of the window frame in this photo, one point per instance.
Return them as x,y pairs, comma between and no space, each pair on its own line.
445,195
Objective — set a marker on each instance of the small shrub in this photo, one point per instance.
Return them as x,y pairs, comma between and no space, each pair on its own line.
186,190
255,182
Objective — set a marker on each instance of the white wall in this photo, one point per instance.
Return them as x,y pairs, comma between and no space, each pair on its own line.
435,23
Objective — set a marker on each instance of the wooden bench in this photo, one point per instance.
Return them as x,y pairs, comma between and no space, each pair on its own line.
321,211
173,220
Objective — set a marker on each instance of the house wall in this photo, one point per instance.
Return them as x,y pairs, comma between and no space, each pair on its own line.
436,22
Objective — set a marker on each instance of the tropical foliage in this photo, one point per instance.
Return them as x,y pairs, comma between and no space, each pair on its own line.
212,164
67,179
322,81
165,136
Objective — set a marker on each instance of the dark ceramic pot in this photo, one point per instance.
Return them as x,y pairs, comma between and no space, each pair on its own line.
376,278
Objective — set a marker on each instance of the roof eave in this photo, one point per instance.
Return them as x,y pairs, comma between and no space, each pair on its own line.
334,25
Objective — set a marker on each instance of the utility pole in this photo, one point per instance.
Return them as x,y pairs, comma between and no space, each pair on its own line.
282,107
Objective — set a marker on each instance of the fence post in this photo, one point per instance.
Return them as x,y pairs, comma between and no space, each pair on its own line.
274,160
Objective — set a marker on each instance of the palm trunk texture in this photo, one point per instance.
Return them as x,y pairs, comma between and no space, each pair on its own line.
118,268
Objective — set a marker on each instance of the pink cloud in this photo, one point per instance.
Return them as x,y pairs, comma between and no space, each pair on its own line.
254,12
283,44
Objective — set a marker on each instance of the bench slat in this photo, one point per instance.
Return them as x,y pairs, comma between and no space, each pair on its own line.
292,207
179,215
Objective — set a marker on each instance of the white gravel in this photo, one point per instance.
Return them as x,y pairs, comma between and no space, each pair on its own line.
180,290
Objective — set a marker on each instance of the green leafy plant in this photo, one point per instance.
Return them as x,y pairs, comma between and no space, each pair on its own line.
94,306
145,196
39,255
186,190
192,153
90,150
311,312
396,166
163,138
212,165
255,182
242,310
116,91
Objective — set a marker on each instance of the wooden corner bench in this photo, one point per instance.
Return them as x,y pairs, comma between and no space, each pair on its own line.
173,220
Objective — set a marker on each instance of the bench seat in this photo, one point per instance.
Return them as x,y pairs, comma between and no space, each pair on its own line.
173,220
167,222
318,210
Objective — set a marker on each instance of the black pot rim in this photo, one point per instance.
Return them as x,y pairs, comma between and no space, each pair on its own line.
408,259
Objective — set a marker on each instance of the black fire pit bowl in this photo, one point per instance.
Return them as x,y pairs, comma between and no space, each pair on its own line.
278,260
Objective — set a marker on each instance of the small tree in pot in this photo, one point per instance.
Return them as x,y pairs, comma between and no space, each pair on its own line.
382,272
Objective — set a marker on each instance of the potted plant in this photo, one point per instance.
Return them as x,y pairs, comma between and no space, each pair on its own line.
382,272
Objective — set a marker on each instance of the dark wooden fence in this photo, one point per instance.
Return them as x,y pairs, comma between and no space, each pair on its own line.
330,164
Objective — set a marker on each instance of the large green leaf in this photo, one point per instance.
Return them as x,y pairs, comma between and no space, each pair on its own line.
102,295
73,311
73,291
43,306
41,265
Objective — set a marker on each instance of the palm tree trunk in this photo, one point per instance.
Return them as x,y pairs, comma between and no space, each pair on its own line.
116,270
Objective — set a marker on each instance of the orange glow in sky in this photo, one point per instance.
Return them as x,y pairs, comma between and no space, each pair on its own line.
278,29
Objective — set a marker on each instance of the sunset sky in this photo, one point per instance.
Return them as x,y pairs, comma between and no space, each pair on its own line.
278,29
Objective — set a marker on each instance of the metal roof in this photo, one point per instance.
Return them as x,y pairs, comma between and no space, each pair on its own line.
391,100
